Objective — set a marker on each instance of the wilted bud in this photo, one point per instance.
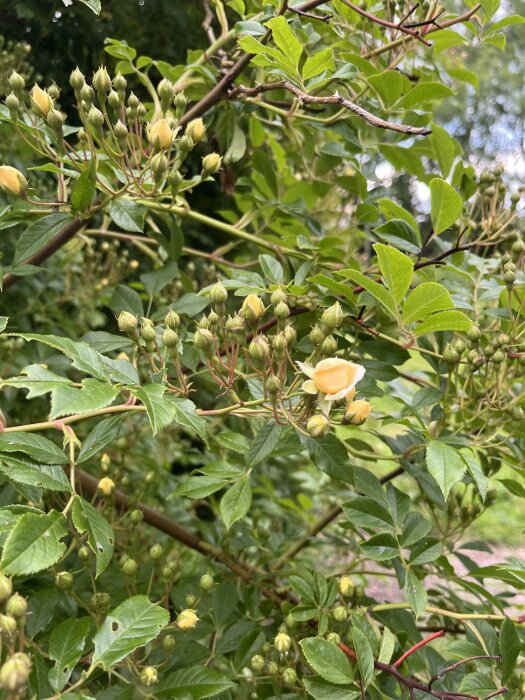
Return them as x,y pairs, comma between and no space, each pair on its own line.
211,164
333,316
252,308
257,662
12,103
186,620
127,322
14,673
149,676
329,345
114,100
206,582
16,606
41,103
282,642
170,338
8,626
172,320
101,81
77,80
16,82
339,613
259,350
357,412
318,426
346,586
64,579
95,117
129,567
106,486
55,119
195,130
12,180
160,134
218,293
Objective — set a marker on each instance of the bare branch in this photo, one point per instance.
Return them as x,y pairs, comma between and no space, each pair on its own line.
336,99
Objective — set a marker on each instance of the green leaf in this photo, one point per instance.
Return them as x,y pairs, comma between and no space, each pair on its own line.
100,536
426,299
184,413
160,409
201,486
44,476
154,282
37,379
327,660
285,39
477,683
444,321
35,446
445,205
3,322
88,360
445,464
236,502
399,234
126,299
104,433
94,5
341,288
362,511
373,288
85,187
380,547
94,395
392,210
263,444
330,455
272,269
415,592
388,86
425,551
388,644
396,269
509,648
319,689
365,656
66,645
444,148
196,683
425,92
34,543
127,214
132,624
318,63
38,234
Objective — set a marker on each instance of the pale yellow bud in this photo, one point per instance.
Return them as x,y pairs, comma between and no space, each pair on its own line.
252,308
187,619
196,129
106,486
160,134
346,586
282,642
357,412
12,180
41,102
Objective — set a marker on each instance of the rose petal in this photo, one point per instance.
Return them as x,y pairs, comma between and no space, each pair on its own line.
306,369
309,387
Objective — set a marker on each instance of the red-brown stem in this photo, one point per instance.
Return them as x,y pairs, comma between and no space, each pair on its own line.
417,646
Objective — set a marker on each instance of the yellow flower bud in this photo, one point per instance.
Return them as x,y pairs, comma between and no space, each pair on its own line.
12,180
252,308
149,676
357,412
41,103
160,134
318,426
14,673
346,586
187,619
282,642
106,486
211,163
195,129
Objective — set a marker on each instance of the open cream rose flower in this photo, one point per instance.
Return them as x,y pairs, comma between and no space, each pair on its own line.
333,379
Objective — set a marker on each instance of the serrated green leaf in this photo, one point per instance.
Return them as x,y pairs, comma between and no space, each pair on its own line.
362,511
330,455
38,234
104,433
236,502
131,625
396,269
445,205
285,39
416,593
127,214
25,471
85,187
184,413
100,536
160,409
388,644
318,63
263,444
34,543
373,288
37,379
93,396
444,321
426,299
319,689
327,660
36,446
509,647
197,682
425,92
365,656
445,464
66,645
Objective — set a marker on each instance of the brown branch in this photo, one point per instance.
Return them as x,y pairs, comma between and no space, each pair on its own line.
336,99
181,534
385,23
67,233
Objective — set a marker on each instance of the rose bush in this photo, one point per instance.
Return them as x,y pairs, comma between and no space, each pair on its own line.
262,348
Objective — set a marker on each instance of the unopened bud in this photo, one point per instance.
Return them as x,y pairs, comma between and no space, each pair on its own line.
169,644
279,344
121,132
278,296
160,134
339,613
12,103
218,293
12,180
474,334
16,606
159,166
77,80
211,164
346,586
317,335
257,662
156,552
87,94
64,579
329,345
498,357
290,676
100,602
206,582
127,322
166,90
14,673
41,102
282,642
170,338
357,412
333,638
195,130
318,426
172,320
136,516
203,339
259,349
106,486
101,81
129,567
149,676
186,620
55,119
281,311
180,101
273,386
16,82
95,117
8,626
114,100
290,335
252,308
147,331
333,316
509,278
450,355
120,83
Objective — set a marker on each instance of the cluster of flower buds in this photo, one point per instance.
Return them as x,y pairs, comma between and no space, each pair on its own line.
14,672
